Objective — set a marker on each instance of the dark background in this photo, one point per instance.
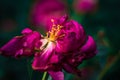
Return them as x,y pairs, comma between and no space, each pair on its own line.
103,25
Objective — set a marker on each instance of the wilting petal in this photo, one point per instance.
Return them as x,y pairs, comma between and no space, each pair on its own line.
89,48
58,75
75,59
11,48
42,60
21,45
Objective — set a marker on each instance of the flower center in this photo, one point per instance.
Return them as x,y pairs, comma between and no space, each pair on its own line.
52,35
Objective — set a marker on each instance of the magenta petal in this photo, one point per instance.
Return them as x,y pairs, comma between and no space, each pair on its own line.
54,59
71,69
78,29
63,19
42,60
89,48
31,39
12,47
74,37
21,45
56,75
68,68
75,59
26,31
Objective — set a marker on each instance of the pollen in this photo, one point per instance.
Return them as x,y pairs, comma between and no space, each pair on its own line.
52,35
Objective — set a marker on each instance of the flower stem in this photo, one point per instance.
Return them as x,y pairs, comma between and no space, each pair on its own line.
44,75
29,69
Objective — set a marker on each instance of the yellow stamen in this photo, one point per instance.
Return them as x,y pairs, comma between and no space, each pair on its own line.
52,35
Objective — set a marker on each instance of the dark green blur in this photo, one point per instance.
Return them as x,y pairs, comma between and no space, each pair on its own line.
103,25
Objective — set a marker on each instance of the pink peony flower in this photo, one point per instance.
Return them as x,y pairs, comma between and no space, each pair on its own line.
64,47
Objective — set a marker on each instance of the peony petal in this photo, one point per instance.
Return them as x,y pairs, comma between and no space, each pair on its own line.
42,60
71,69
75,59
63,20
21,45
56,75
26,31
89,49
12,47
74,37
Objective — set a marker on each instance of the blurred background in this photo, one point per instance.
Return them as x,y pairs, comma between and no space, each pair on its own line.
100,18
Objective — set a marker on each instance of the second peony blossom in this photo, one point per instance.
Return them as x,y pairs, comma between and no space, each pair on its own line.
65,46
